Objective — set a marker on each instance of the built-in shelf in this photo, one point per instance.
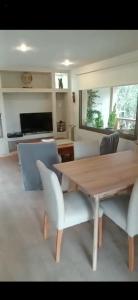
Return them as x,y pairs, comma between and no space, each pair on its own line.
42,92
25,90
61,90
32,90
61,134
31,136
20,79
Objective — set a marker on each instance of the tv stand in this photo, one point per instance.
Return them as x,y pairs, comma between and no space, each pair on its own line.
31,136
37,132
65,146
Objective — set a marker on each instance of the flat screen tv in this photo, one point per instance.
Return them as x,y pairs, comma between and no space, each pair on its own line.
36,122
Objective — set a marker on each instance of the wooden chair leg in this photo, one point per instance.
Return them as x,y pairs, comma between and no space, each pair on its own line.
46,226
100,231
131,253
58,244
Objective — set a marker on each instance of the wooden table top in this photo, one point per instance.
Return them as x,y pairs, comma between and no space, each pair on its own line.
103,175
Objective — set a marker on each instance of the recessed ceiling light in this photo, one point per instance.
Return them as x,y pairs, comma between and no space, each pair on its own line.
66,62
23,48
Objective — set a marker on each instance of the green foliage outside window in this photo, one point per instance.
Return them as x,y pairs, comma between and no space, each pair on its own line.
121,118
94,117
112,118
92,95
127,101
99,120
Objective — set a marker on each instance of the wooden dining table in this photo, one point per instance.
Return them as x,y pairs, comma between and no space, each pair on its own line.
102,176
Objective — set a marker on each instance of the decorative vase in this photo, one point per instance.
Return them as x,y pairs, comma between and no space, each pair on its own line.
61,126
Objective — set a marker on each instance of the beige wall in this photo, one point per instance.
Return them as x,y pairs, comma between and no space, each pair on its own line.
117,71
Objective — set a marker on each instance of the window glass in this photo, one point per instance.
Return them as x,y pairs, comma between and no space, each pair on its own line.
125,103
95,107
110,109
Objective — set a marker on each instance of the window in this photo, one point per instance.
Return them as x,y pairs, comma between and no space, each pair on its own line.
94,107
125,100
109,109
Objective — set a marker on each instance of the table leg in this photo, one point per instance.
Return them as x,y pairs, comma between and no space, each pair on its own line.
95,237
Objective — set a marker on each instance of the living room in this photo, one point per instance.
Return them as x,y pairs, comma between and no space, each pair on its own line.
47,82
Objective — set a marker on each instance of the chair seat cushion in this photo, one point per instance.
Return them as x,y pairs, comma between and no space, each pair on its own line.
78,209
116,208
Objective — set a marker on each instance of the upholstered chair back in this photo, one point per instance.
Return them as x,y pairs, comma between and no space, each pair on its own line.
109,143
29,154
54,202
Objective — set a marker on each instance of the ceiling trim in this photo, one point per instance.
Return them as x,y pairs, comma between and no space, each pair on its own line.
117,61
32,69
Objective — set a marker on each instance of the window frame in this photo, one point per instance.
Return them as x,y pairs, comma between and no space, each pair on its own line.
109,131
1,128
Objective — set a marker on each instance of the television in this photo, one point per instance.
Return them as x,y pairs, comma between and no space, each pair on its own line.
36,122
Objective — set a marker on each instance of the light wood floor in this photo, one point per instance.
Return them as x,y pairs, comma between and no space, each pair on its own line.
25,256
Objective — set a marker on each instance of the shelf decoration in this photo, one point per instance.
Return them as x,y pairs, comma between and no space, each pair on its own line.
61,80
60,83
61,126
27,78
73,97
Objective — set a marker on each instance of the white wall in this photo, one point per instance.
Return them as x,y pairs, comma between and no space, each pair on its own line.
120,70
89,135
18,103
124,74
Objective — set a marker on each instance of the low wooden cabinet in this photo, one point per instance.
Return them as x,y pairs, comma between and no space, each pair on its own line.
67,152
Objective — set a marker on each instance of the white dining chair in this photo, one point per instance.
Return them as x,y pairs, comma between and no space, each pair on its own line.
82,149
62,210
123,211
65,182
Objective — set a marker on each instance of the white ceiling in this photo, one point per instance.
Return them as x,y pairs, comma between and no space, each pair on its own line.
51,47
